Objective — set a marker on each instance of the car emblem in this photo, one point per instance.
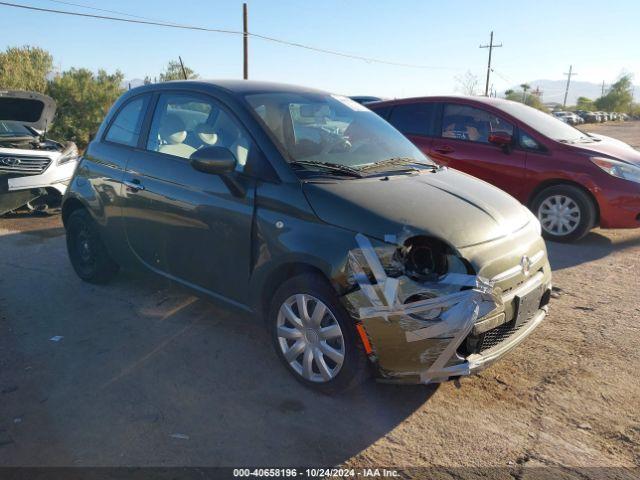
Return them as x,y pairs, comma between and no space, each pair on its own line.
10,161
525,265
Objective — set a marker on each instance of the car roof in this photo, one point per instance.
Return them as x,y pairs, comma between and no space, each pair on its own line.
444,98
234,87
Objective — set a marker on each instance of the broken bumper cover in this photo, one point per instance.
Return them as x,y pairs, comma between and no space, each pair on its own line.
479,361
417,330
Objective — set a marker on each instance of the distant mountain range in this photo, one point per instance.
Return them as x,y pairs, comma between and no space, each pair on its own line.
553,90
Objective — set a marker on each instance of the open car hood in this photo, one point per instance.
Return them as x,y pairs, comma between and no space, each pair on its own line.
31,109
457,208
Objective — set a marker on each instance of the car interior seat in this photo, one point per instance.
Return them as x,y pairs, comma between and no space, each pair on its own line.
172,135
207,135
229,135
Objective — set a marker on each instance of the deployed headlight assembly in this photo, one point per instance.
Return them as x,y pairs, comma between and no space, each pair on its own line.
70,153
618,169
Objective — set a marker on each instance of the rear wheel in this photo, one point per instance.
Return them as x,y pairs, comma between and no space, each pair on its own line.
88,255
315,337
565,212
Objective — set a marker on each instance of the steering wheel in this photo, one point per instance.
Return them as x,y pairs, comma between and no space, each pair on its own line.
343,142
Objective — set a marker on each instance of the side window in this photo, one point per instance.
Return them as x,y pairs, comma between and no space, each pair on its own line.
526,141
463,122
125,128
183,123
414,118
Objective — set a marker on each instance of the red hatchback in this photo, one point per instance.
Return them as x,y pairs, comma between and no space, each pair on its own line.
570,179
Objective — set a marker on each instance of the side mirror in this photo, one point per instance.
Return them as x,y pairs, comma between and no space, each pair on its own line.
500,139
214,160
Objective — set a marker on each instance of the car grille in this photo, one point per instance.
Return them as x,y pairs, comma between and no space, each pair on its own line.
498,335
24,165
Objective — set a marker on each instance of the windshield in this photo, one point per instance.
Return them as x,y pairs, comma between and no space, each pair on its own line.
14,129
331,129
544,123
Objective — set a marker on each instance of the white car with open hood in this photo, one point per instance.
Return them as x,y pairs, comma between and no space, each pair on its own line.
34,170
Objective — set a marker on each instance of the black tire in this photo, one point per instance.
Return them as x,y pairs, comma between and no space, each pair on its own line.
356,367
587,212
88,255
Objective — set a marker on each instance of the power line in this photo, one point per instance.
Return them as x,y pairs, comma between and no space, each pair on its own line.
89,7
224,31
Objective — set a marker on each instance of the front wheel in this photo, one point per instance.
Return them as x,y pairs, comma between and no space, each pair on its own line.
88,255
566,213
315,337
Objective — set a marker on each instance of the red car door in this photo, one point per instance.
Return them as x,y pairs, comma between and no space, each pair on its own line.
463,144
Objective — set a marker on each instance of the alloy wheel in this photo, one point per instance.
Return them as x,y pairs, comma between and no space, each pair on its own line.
310,338
559,215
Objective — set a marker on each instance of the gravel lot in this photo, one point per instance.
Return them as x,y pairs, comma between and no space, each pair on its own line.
146,374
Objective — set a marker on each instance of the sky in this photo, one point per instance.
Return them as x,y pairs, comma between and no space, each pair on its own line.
540,40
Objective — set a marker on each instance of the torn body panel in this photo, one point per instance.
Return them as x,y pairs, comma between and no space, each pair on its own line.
418,322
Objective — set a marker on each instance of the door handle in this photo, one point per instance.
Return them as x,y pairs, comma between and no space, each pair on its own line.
444,149
133,185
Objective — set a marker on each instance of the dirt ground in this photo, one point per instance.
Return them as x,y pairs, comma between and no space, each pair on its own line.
145,374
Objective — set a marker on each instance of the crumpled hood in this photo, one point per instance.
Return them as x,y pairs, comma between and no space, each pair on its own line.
610,147
32,109
450,205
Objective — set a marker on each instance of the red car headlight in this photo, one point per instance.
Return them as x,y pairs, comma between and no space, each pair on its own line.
618,169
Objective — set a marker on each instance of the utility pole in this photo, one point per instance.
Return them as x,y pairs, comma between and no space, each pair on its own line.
566,92
491,46
184,72
245,41
602,91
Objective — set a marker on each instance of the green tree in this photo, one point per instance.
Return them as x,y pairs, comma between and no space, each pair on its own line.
584,103
25,68
173,71
618,98
520,96
83,101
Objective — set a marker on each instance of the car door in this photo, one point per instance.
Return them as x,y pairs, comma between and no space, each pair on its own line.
191,226
463,144
105,163
416,121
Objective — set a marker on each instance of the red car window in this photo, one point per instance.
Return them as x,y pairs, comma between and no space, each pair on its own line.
463,122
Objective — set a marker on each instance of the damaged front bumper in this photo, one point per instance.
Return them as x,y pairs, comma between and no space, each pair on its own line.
432,331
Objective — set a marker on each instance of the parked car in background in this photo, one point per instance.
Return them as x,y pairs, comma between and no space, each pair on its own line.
571,180
568,117
587,116
34,170
311,211
364,99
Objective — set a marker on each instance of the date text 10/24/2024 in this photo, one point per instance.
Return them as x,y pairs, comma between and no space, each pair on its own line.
315,472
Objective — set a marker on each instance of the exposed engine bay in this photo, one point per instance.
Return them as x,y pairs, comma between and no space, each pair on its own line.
34,170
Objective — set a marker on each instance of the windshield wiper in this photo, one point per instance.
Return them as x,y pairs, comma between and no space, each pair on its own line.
328,166
400,161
